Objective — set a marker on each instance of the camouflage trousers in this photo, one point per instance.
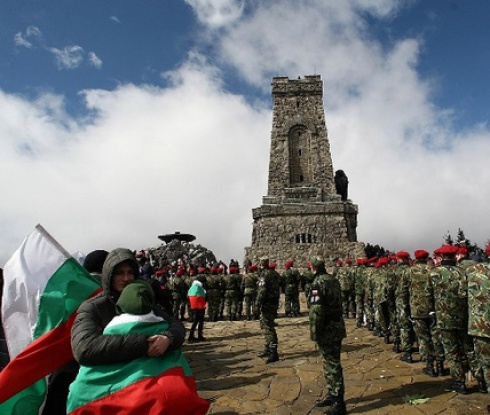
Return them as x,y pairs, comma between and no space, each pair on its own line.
403,329
213,298
360,295
249,305
456,346
348,302
179,306
291,303
232,304
482,358
429,339
268,325
329,347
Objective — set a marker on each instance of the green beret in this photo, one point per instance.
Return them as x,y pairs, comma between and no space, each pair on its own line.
136,298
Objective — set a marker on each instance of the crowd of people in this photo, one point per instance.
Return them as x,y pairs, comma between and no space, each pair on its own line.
439,302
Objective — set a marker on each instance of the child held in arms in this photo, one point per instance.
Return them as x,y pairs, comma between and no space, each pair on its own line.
147,385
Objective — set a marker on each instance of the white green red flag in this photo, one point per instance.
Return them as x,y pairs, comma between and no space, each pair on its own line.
197,296
148,385
43,287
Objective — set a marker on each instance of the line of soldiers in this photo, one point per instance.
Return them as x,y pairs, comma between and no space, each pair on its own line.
230,294
443,303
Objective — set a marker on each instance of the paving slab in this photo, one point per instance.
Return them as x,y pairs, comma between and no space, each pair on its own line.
236,381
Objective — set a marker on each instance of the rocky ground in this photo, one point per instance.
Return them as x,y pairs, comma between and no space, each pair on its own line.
236,381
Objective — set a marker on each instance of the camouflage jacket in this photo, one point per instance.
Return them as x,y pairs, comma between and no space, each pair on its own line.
268,288
290,281
402,286
479,300
379,279
326,308
421,295
448,283
344,277
249,284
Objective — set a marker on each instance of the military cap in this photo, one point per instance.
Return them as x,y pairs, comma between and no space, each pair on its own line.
487,250
402,254
448,250
234,270
252,268
288,264
361,261
420,254
383,261
348,261
462,250
339,263
317,262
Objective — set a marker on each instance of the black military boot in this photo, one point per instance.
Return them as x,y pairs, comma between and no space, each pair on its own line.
482,386
406,357
265,353
387,339
192,338
327,400
273,356
459,387
396,346
338,407
200,337
359,324
429,369
440,368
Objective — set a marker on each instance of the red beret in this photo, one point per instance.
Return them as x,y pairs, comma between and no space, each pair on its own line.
272,265
402,254
448,250
252,268
201,270
288,264
179,272
339,263
487,250
348,261
361,261
383,261
420,254
160,272
234,270
371,260
462,251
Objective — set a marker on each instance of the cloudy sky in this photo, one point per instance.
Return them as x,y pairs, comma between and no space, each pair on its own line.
123,120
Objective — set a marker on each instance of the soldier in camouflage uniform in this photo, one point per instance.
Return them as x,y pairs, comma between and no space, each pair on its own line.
214,290
368,298
380,299
306,280
179,288
290,285
360,289
449,285
478,277
232,286
268,293
421,307
327,329
403,325
344,277
249,290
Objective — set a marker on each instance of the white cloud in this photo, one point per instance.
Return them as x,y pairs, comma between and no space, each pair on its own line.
217,13
94,60
70,57
151,161
32,34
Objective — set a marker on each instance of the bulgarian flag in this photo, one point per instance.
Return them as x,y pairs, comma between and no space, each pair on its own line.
148,385
197,296
43,287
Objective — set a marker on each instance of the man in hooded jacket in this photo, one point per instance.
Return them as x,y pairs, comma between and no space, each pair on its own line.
90,347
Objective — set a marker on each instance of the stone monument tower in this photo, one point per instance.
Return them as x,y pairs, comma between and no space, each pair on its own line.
302,214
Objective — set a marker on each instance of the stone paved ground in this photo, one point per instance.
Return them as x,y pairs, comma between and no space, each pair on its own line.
236,381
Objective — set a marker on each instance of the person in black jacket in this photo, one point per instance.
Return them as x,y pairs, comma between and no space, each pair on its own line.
90,347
